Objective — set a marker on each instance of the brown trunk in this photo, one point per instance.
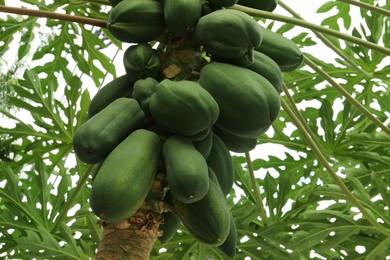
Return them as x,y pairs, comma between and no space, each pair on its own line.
133,238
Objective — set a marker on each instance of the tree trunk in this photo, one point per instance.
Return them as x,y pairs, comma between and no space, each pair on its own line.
133,238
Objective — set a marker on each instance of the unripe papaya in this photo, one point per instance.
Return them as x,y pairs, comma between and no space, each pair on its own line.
235,143
248,102
126,176
281,49
100,134
266,5
183,107
136,21
208,219
228,33
222,3
186,169
143,90
169,227
114,2
268,68
221,164
141,61
182,15
229,245
119,87
204,145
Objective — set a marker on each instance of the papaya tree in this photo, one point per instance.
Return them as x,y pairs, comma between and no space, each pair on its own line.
191,129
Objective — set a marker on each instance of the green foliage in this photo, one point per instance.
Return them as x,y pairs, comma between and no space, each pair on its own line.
303,213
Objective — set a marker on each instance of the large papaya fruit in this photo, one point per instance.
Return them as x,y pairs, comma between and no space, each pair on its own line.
266,5
100,134
119,87
136,21
141,61
182,15
248,102
186,169
281,49
183,107
268,68
125,177
221,164
228,33
208,219
235,143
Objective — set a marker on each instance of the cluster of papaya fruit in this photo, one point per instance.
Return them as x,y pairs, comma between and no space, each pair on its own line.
211,86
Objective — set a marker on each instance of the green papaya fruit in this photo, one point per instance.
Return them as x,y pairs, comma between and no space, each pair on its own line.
136,21
182,15
126,176
169,227
223,3
143,90
114,2
99,135
204,145
228,33
266,5
268,68
235,143
141,61
186,169
208,219
281,49
183,108
248,102
229,245
221,163
119,87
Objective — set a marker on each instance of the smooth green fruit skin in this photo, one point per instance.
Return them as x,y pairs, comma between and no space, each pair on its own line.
228,33
266,5
143,90
281,49
136,21
183,108
223,3
204,145
169,227
141,61
268,68
186,169
182,15
221,163
229,245
99,135
126,176
248,102
236,143
207,220
119,87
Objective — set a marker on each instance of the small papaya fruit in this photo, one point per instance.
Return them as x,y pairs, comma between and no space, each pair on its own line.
141,61
235,143
281,49
208,219
136,21
182,15
143,90
119,87
223,3
169,227
186,169
266,5
99,135
228,33
204,145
